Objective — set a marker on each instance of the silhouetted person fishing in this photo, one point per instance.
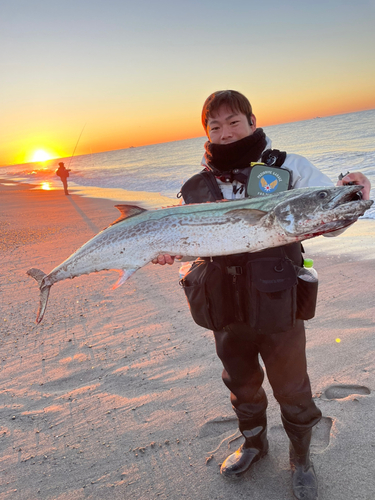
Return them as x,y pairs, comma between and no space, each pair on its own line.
63,173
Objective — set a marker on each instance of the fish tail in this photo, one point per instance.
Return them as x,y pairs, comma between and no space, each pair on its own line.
39,276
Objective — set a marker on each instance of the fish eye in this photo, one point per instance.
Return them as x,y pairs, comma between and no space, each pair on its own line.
322,194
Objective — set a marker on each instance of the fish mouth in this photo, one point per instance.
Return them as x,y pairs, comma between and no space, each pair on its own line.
330,209
347,194
350,198
347,206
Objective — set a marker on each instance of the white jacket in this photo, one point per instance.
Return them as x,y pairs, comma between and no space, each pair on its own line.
304,174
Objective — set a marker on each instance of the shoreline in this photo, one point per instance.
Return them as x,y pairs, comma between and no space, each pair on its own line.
145,199
121,391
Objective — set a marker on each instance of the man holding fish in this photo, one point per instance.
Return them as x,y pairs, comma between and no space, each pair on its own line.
244,286
250,300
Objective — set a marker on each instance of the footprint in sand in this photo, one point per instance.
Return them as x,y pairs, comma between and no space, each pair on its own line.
322,431
321,435
343,391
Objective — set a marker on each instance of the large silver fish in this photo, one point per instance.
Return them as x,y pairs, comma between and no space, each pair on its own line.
207,229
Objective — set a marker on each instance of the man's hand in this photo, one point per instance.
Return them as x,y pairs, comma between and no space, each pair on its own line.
166,259
359,179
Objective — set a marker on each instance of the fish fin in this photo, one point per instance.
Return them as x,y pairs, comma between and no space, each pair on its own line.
250,215
39,276
124,275
127,211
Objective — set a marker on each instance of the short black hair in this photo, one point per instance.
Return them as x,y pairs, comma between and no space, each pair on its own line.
231,98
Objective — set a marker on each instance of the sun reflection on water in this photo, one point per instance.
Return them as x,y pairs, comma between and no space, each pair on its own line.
46,186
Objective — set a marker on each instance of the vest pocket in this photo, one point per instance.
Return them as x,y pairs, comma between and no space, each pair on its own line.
307,295
207,295
262,293
272,288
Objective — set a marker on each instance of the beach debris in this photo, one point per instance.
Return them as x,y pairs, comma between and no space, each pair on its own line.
233,437
207,230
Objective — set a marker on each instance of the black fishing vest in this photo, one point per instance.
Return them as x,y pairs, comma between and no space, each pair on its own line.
258,289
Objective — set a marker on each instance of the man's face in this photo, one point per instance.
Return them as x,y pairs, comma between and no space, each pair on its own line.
228,126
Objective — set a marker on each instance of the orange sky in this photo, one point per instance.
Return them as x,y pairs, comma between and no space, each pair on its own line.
138,74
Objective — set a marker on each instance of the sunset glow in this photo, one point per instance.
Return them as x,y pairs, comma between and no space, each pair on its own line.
137,88
46,186
41,155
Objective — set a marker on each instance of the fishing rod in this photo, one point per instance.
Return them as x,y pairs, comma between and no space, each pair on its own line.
76,145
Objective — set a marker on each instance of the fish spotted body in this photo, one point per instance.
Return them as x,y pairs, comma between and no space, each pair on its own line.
207,229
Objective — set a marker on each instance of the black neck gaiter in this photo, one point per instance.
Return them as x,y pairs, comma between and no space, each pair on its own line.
222,158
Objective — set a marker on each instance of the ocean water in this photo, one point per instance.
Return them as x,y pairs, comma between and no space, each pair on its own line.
153,175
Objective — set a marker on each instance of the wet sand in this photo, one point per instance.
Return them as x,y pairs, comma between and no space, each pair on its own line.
118,393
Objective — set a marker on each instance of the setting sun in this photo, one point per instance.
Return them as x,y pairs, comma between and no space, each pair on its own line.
41,155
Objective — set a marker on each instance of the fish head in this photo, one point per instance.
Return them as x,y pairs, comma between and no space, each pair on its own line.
315,211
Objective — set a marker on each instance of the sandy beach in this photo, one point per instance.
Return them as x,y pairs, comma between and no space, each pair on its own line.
118,393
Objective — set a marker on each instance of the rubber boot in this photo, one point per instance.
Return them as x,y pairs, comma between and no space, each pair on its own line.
254,448
304,480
